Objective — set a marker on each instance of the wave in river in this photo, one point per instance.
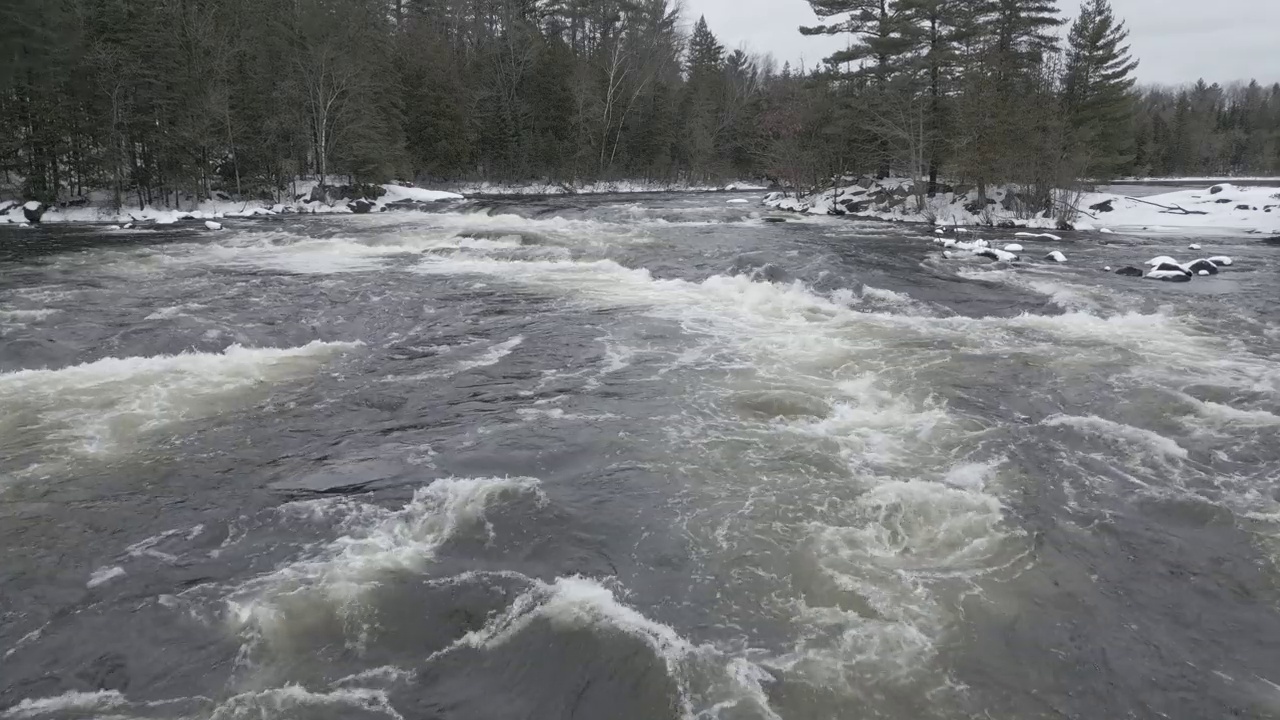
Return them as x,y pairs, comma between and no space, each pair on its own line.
101,407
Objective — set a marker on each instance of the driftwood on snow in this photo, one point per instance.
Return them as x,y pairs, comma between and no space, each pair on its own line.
1176,209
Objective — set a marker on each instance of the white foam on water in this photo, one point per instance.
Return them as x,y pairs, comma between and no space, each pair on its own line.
888,296
583,603
493,355
99,700
876,614
26,639
1065,295
99,407
377,541
290,699
147,546
533,414
873,427
1152,442
27,316
1229,415
174,311
104,575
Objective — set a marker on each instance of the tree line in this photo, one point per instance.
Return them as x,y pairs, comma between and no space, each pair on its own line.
160,100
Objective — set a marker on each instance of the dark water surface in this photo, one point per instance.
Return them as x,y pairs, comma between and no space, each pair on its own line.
632,457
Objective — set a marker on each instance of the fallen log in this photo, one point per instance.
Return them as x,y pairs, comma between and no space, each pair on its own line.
1176,209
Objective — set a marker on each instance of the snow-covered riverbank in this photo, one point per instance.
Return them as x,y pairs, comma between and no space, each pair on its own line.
393,196
596,188
1222,207
308,201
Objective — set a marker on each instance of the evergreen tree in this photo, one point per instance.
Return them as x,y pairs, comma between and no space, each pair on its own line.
703,100
1097,85
880,31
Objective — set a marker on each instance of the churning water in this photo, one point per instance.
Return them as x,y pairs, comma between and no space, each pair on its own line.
631,457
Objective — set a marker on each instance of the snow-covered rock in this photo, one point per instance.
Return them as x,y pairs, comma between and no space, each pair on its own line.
947,254
994,254
1171,267
739,201
1194,246
1201,267
1168,275
1056,256
1013,247
1107,231
1221,260
213,225
396,193
33,211
1161,259
1045,236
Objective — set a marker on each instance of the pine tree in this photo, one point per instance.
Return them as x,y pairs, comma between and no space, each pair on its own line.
881,35
1023,31
706,54
702,100
1097,85
937,29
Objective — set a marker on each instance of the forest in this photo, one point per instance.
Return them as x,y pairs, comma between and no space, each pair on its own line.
144,100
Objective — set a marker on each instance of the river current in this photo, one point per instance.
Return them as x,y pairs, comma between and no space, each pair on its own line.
639,457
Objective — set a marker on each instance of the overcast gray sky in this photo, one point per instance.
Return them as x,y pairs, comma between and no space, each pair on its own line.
1177,41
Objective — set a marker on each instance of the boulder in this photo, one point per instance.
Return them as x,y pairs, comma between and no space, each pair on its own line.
1160,259
33,211
998,255
1201,267
6,206
362,206
1013,247
1056,256
1224,201
1218,188
1171,267
1245,207
212,225
1168,276
775,220
1220,260
1194,246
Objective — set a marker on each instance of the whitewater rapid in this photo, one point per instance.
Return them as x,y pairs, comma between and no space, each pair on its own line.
654,458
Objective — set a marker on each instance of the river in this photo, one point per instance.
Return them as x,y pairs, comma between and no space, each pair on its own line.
632,457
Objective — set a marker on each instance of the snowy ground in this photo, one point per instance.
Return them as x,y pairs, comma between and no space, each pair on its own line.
215,209
1223,207
97,211
598,188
